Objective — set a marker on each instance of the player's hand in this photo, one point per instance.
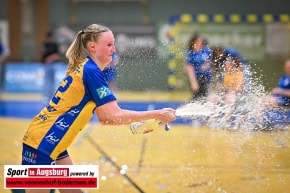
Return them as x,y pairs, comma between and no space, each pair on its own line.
166,115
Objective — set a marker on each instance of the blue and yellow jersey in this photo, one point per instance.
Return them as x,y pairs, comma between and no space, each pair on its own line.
233,81
71,108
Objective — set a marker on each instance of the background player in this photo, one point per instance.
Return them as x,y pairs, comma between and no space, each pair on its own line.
220,55
231,84
198,66
281,94
82,92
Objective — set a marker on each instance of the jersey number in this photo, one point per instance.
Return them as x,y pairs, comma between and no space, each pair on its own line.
68,80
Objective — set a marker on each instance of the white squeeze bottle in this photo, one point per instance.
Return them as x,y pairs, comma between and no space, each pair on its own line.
143,127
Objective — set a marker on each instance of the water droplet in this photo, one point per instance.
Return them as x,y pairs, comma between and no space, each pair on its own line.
122,171
103,178
124,167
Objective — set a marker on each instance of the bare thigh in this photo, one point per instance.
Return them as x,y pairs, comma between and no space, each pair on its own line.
67,161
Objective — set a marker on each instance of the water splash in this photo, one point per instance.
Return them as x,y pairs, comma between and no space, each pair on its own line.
245,113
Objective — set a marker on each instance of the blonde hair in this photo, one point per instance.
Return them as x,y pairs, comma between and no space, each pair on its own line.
77,50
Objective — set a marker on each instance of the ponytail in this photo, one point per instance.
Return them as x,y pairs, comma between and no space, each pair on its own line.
75,53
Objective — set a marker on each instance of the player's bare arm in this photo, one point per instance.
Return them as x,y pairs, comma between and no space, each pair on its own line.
112,114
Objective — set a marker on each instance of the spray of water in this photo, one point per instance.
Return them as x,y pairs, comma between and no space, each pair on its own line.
245,113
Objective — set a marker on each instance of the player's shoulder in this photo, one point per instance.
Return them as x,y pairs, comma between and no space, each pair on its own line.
232,52
284,77
91,69
90,66
190,54
206,49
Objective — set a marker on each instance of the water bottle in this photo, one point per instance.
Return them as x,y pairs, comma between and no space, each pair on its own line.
143,127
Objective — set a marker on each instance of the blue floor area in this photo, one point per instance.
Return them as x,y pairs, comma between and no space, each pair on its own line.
28,109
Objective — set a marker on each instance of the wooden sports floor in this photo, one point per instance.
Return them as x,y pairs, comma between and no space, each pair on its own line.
183,160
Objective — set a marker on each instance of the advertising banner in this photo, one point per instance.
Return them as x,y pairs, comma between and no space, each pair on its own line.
248,39
29,77
51,176
135,41
24,77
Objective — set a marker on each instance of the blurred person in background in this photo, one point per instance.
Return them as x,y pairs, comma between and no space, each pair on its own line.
232,83
83,92
110,72
49,57
198,66
280,96
219,56
4,53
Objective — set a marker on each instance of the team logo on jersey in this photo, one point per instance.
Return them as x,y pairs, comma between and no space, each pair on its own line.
30,157
51,138
74,112
62,125
103,92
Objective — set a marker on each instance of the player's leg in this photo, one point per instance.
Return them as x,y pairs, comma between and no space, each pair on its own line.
202,91
66,160
31,156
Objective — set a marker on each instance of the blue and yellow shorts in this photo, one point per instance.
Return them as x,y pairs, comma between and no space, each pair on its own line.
31,156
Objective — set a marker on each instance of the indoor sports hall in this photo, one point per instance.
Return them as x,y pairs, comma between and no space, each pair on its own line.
227,141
